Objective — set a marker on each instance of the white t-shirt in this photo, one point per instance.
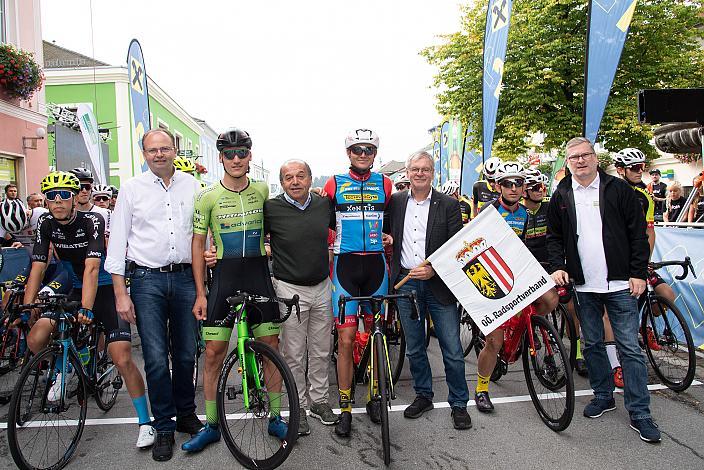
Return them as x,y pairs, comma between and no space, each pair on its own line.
27,236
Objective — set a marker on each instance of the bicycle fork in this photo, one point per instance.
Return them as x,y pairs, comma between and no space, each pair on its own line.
248,363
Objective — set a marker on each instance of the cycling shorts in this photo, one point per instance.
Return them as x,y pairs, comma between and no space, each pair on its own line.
249,275
357,275
104,312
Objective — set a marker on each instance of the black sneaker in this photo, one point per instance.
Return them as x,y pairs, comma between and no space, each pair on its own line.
163,448
460,418
581,367
416,409
598,407
483,402
374,411
647,429
343,428
189,424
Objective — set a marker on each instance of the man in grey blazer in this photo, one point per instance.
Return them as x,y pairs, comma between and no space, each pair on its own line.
420,220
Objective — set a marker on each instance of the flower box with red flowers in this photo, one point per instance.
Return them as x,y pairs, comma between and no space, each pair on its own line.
20,75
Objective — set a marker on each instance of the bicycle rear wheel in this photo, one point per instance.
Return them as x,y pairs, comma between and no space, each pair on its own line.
108,381
668,344
245,428
382,368
14,354
44,433
565,328
467,335
548,375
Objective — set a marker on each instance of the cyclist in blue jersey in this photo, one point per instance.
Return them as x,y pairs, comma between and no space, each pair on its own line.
510,177
360,197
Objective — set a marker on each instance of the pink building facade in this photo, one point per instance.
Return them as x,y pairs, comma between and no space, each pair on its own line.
23,143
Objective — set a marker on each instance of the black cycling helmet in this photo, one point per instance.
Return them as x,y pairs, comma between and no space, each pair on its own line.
234,137
83,173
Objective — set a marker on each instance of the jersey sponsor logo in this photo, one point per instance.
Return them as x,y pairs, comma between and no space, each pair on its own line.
358,197
226,226
56,235
56,285
71,246
93,254
347,187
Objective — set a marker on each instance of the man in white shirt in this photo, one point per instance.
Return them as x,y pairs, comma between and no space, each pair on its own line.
152,225
596,236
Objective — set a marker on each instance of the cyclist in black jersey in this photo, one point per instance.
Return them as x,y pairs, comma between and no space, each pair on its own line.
79,241
452,189
485,190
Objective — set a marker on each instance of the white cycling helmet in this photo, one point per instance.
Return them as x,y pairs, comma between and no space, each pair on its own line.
13,216
533,176
450,188
544,179
102,190
401,179
361,137
490,167
509,170
628,157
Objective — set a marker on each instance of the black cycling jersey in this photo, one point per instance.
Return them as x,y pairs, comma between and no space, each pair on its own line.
83,237
536,231
465,210
483,193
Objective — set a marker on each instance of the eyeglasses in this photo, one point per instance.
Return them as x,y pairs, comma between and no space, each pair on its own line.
511,183
152,152
101,198
583,156
230,154
62,194
361,149
637,167
420,170
402,186
86,187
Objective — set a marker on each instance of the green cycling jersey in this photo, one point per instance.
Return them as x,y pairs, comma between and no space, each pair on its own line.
236,219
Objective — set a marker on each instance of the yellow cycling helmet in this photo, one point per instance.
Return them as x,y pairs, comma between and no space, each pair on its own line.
60,180
185,165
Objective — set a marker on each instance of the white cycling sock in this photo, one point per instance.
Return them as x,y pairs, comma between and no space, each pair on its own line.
613,356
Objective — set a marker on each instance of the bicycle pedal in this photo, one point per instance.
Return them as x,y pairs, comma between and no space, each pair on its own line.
231,393
117,383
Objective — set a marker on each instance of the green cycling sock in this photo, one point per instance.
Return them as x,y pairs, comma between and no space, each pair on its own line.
211,412
274,404
579,349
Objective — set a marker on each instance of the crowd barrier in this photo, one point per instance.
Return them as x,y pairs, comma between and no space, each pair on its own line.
674,243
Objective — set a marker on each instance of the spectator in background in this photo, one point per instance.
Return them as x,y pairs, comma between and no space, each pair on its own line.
658,191
35,200
696,210
675,202
11,191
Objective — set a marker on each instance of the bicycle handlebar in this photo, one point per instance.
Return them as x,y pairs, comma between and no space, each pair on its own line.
240,299
342,300
686,265
49,300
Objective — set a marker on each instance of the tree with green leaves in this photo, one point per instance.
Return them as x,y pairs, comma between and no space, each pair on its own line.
543,81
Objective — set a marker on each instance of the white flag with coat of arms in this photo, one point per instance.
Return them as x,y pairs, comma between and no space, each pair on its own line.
490,271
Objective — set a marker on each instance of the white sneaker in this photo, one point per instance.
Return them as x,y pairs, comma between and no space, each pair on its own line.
55,390
146,436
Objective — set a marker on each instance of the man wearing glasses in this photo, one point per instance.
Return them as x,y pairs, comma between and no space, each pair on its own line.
510,177
152,224
102,194
360,197
234,211
596,236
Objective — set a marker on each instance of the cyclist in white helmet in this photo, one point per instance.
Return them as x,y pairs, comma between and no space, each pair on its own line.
102,194
452,188
401,182
484,190
18,226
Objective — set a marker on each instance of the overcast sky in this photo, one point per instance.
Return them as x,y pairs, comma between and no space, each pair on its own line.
296,75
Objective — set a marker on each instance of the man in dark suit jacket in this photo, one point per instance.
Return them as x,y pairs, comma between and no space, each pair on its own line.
420,220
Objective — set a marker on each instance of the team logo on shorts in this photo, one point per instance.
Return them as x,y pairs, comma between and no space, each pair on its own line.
486,269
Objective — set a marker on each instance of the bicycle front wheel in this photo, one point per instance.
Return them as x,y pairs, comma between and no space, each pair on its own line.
565,328
252,430
467,332
47,412
14,355
396,342
108,381
548,374
382,367
668,344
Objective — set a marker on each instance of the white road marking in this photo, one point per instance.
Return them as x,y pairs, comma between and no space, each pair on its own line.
359,410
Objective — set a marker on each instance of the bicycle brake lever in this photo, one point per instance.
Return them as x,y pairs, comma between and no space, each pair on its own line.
691,268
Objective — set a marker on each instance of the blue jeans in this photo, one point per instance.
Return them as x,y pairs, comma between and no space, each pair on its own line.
160,299
625,322
446,322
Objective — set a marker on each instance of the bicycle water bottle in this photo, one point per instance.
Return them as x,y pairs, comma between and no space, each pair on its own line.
84,354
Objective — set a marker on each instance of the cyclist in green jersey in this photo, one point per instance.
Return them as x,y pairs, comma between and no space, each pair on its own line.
234,211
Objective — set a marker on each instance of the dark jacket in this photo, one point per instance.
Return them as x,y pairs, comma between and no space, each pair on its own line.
623,231
444,220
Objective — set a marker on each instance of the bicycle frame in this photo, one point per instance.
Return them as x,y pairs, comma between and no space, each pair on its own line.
248,363
513,336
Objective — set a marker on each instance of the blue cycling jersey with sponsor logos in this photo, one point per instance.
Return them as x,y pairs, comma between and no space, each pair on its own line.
516,219
81,238
359,211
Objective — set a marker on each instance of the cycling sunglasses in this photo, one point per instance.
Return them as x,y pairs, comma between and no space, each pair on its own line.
536,187
62,194
230,154
637,167
511,183
361,149
101,198
86,187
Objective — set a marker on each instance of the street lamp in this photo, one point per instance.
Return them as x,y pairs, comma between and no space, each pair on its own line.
30,143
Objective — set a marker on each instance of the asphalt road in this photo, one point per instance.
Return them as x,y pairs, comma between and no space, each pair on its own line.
512,437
